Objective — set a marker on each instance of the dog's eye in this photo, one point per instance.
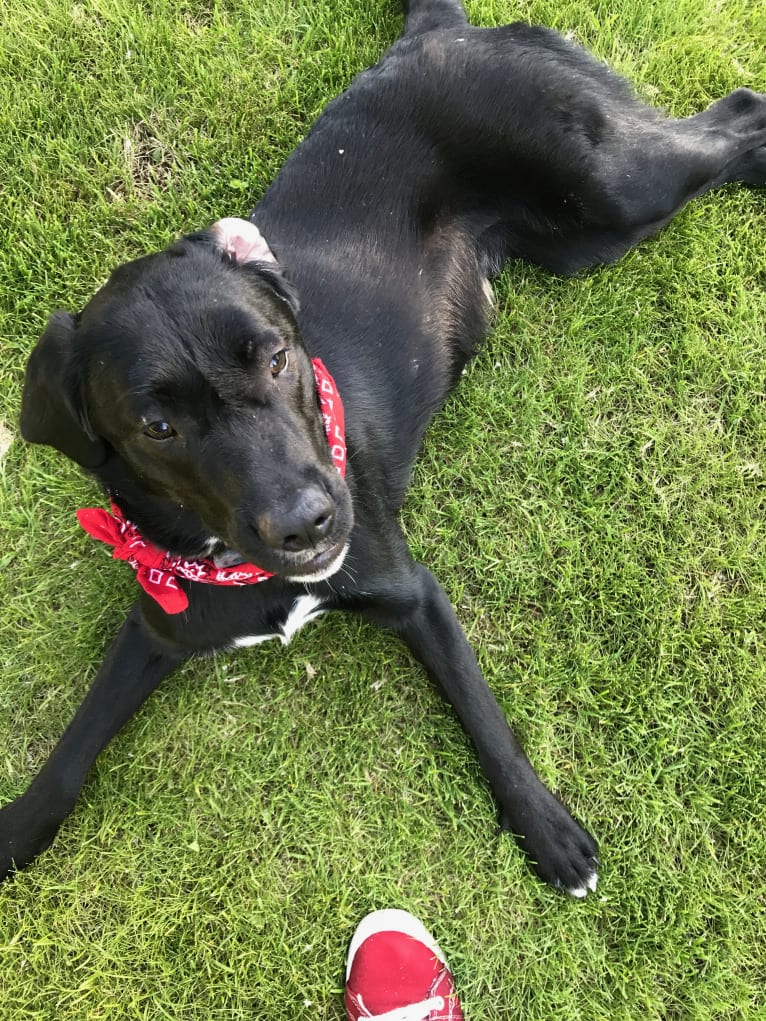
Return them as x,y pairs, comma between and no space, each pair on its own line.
279,362
159,431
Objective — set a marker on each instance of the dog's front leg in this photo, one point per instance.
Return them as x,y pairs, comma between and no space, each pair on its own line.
135,664
559,850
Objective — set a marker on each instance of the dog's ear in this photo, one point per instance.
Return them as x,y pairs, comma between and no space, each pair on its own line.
52,408
242,241
244,244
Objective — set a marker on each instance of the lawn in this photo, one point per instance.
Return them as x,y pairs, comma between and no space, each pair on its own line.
592,498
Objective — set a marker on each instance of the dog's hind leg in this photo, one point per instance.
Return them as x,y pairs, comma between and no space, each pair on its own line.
647,174
627,188
135,664
552,146
416,607
731,135
656,168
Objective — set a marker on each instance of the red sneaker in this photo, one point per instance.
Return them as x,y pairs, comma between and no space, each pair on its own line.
396,972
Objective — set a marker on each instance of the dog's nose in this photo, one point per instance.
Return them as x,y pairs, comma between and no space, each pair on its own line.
301,525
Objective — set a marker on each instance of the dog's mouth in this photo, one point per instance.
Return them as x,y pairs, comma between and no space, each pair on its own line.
320,565
311,565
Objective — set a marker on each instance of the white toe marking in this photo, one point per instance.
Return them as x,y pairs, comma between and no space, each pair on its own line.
304,609
582,891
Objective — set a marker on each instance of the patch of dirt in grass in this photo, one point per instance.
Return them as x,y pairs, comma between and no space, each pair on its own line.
6,439
148,163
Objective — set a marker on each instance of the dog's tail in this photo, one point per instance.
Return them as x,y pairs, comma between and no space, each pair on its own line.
426,15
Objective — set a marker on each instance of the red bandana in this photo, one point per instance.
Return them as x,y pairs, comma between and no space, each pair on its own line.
156,571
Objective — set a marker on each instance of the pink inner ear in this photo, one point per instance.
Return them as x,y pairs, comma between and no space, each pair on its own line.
242,240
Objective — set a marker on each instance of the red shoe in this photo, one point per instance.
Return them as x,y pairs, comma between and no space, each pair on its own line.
396,972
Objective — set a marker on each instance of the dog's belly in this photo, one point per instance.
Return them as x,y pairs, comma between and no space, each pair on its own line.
304,609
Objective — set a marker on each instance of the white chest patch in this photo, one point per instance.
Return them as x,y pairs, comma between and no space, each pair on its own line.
304,609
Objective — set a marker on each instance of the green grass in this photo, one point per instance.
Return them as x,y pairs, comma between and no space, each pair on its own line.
592,499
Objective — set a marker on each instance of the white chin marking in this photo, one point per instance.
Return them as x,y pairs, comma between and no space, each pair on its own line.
326,572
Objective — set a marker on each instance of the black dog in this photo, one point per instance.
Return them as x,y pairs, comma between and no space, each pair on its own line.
186,385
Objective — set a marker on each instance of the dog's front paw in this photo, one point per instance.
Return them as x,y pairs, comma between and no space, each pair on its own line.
26,830
560,851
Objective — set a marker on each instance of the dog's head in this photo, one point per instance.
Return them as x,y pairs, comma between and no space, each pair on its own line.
184,384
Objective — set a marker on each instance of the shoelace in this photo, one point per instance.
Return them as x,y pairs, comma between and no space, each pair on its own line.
411,1012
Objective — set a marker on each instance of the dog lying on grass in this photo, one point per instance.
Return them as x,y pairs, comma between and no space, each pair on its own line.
252,399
